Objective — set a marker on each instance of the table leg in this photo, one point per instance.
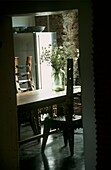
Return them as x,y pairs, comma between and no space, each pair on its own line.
35,122
71,141
45,133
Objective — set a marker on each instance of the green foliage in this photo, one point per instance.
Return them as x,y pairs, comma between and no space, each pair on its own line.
57,55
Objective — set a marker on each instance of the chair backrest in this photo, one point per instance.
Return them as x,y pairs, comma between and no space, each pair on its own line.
69,98
23,75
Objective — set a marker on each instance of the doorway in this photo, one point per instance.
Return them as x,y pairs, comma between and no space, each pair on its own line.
66,25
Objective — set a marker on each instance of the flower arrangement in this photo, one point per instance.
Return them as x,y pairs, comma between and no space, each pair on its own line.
54,55
57,55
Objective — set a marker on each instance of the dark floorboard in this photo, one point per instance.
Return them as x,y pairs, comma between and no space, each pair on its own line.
56,157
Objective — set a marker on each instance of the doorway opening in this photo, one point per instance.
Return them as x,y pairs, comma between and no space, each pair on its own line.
66,26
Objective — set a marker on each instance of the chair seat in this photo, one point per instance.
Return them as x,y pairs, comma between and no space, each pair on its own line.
60,122
63,118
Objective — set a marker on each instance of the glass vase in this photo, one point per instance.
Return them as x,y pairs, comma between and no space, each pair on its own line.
58,80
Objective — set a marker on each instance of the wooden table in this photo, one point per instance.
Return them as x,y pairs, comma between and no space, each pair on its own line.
40,98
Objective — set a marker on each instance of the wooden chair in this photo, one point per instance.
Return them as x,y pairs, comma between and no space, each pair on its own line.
24,83
66,120
23,75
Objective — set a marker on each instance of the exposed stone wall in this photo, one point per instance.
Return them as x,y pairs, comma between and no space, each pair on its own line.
70,27
41,21
65,24
54,23
71,39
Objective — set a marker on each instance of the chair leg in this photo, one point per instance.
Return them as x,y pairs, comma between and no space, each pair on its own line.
45,133
71,141
65,137
68,135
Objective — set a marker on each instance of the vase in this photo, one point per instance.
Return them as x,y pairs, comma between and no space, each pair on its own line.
58,79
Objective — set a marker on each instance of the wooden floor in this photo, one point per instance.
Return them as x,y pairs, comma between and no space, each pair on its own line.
56,157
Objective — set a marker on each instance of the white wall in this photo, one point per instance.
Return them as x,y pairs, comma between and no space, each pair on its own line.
23,21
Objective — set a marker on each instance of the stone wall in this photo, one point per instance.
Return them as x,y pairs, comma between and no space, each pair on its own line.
70,27
65,24
53,23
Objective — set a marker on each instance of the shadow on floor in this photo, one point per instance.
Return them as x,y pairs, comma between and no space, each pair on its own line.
56,157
